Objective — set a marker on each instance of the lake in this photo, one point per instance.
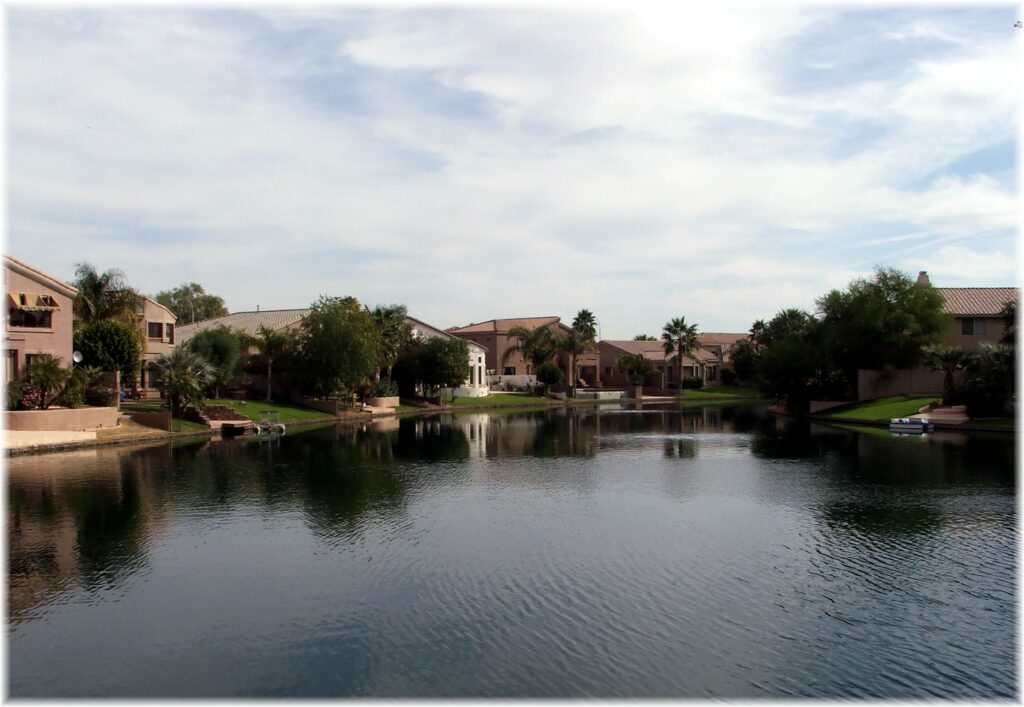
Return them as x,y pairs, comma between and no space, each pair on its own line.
613,552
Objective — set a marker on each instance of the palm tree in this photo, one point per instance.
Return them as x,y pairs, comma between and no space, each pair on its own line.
271,344
185,374
572,345
634,367
681,339
947,359
644,337
586,324
104,295
45,374
537,346
395,334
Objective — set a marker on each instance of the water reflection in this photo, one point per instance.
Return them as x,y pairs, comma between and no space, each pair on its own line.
715,533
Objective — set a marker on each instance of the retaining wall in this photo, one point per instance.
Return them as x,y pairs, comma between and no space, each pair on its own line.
60,419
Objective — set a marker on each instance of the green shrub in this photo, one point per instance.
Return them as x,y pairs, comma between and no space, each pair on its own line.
110,346
15,389
728,376
692,383
100,396
384,388
548,373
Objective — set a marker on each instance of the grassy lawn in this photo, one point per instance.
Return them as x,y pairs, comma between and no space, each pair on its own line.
721,392
187,426
286,412
500,400
881,409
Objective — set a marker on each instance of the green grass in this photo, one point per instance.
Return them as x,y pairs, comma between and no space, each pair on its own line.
881,409
187,426
721,392
500,400
286,412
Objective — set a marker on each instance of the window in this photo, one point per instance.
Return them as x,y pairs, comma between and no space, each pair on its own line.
156,330
509,371
170,333
30,359
973,327
30,319
607,370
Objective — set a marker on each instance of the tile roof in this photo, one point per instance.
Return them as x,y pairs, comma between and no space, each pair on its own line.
981,301
725,339
434,331
249,322
503,325
43,278
655,350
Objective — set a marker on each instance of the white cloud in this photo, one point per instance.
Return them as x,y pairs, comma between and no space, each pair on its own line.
488,162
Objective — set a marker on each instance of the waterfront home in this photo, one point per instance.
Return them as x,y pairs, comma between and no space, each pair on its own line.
720,344
976,313
39,318
156,325
290,320
701,363
514,368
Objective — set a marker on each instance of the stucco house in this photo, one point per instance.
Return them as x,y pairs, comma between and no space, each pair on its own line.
290,320
494,336
156,324
701,363
39,318
976,312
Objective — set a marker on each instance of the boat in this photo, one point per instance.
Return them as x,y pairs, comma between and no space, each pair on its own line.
911,425
269,424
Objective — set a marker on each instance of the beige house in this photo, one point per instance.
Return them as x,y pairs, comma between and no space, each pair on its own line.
156,324
701,363
976,313
493,335
39,317
720,344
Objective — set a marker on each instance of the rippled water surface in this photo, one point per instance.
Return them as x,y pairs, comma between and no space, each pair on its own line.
625,552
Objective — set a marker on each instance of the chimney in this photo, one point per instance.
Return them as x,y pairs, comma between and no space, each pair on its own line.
922,278
258,307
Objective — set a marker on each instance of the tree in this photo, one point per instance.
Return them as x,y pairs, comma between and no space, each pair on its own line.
184,375
339,345
947,359
549,374
45,374
394,332
222,349
635,367
681,339
586,324
644,337
444,363
880,322
744,359
110,345
103,296
190,303
272,344
988,382
536,346
1009,315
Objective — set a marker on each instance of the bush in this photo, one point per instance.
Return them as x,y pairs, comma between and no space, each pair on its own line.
728,376
15,389
110,346
100,396
988,382
692,383
384,388
549,373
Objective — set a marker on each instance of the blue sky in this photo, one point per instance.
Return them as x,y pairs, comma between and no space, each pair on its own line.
493,161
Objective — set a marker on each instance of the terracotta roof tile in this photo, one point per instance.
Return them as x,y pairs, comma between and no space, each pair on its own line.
503,325
249,322
981,301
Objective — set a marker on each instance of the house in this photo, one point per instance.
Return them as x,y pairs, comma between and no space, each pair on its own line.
494,336
702,363
290,320
39,319
156,324
976,312
720,344
476,385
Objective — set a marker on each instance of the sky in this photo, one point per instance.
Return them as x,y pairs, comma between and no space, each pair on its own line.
493,161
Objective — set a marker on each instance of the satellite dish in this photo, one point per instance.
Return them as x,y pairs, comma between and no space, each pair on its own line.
77,357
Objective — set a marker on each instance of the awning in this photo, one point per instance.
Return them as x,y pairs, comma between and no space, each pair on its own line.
32,302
